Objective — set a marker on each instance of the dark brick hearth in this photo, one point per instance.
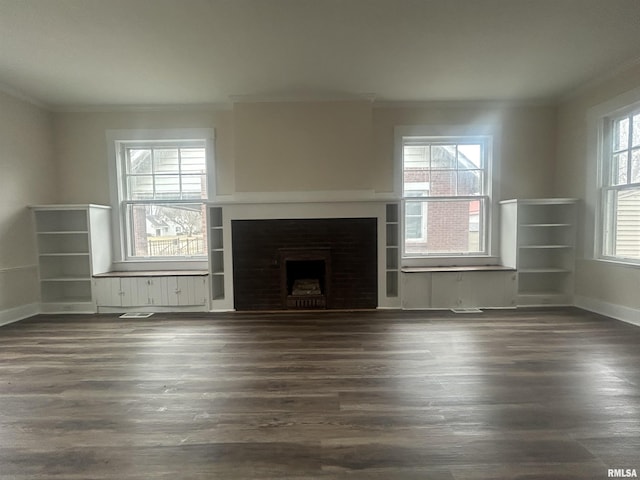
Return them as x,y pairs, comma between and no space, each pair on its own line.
257,247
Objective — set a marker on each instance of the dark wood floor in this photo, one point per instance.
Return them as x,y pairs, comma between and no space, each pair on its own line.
369,395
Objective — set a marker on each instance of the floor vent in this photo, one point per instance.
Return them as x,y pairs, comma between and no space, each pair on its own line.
135,315
466,310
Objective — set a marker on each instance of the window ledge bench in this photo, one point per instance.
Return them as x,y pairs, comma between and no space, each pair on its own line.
474,286
152,291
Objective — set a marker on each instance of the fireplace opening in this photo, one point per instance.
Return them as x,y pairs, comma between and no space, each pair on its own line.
305,278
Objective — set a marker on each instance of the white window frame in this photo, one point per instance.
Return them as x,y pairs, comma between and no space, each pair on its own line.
116,140
492,134
604,233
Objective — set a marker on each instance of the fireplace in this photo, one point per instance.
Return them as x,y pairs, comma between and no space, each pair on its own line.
312,263
305,277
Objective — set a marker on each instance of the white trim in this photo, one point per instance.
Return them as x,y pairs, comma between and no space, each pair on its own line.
19,95
593,215
21,267
312,98
313,196
618,312
493,170
114,138
177,107
16,314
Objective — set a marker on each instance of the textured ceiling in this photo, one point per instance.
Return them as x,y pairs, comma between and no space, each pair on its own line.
155,52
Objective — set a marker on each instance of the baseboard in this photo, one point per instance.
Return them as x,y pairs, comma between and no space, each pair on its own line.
619,312
18,313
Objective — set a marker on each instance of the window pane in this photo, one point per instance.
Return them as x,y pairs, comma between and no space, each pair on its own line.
194,186
413,224
416,181
469,156
167,186
621,135
470,182
624,224
619,166
442,183
635,167
416,156
193,160
140,187
443,156
166,230
138,161
449,227
413,208
636,130
165,160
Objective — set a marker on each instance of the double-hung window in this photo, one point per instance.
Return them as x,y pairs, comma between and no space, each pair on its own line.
162,186
445,195
620,190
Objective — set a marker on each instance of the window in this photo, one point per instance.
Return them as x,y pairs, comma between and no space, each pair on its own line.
162,187
620,191
445,193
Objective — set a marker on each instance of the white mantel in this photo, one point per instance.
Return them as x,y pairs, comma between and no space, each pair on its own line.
283,208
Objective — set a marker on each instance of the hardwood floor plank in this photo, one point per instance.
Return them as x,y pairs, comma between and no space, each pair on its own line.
547,394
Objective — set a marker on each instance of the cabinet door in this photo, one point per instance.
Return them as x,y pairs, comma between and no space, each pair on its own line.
416,290
445,289
190,290
487,289
135,291
108,293
159,291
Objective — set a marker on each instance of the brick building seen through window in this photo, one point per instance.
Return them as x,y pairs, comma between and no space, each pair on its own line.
445,195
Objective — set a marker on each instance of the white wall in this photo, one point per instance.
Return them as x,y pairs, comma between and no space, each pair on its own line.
81,146
600,286
526,149
308,146
27,176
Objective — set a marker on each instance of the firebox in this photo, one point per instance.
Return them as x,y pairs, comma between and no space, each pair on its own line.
305,277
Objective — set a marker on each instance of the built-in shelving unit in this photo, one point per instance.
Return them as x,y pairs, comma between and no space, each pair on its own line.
538,238
216,253
73,244
392,225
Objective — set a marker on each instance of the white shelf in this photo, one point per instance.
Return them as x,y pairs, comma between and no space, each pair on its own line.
392,227
538,239
216,252
543,270
546,246
66,279
545,225
73,243
61,254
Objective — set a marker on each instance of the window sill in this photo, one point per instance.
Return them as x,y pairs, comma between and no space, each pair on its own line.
617,263
153,273
469,268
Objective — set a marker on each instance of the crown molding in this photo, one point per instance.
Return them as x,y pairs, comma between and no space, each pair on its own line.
20,95
599,80
301,98
490,103
193,107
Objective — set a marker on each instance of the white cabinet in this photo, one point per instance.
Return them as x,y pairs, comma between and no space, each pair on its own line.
74,243
444,288
158,292
538,239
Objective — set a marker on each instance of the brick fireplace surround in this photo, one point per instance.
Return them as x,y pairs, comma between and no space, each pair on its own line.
257,257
